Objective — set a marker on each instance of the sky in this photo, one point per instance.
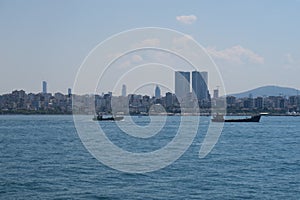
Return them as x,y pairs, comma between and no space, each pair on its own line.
253,42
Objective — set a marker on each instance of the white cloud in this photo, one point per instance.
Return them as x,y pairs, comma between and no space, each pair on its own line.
186,19
150,42
181,42
136,58
236,54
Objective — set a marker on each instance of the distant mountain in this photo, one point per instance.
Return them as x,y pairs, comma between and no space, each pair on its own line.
268,91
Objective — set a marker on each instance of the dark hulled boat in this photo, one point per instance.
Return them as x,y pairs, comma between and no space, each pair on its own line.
220,118
111,118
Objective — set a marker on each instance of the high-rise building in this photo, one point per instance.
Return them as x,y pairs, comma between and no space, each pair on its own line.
205,77
169,99
199,85
216,93
157,92
259,102
69,91
182,84
124,90
44,85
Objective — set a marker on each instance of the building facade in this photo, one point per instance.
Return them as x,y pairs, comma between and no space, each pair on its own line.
182,84
124,90
44,87
199,85
157,92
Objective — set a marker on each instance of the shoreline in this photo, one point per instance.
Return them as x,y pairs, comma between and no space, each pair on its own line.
158,114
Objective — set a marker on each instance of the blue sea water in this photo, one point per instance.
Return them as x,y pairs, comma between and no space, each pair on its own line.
42,157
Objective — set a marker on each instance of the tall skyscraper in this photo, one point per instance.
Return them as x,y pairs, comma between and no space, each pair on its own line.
157,92
205,77
182,84
124,90
169,99
199,84
216,93
44,85
69,91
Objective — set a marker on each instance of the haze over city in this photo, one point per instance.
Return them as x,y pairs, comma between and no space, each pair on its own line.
254,43
157,99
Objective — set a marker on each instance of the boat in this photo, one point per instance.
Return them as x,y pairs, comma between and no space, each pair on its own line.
111,118
220,118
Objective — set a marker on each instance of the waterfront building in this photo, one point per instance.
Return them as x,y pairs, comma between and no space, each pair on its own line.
169,99
216,94
157,92
69,92
182,84
199,85
230,100
44,86
124,90
259,102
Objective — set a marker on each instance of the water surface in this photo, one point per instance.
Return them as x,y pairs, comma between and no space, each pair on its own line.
42,157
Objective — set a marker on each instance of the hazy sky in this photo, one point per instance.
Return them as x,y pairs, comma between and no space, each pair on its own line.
254,43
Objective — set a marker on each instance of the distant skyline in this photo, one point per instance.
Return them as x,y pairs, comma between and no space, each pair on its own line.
254,43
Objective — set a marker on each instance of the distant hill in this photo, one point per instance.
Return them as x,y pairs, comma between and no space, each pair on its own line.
268,91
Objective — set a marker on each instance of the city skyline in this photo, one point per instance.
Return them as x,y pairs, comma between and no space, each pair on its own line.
20,102
160,99
190,89
254,43
124,91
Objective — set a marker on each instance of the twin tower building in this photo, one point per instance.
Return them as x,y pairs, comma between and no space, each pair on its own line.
199,85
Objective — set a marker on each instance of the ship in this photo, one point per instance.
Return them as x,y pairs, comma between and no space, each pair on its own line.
108,118
220,118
